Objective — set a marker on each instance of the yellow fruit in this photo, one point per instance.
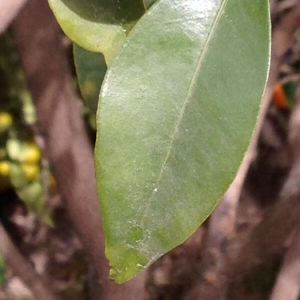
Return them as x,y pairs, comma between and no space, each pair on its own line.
30,154
4,168
4,175
23,151
6,120
31,170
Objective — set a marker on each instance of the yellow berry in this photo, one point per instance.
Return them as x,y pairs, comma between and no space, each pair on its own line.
31,153
4,168
6,121
31,171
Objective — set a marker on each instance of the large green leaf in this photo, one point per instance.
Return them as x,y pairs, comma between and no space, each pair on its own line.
98,25
177,110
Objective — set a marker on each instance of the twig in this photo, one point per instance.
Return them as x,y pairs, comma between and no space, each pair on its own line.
287,4
288,281
21,267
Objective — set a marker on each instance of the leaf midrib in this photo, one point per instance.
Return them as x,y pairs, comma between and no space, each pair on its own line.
186,100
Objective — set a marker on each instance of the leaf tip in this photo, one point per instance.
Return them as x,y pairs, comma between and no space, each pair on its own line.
125,262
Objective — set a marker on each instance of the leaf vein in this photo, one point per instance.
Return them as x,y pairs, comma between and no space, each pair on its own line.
188,97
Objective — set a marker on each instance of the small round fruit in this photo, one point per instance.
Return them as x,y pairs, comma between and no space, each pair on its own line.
31,153
4,168
6,121
31,171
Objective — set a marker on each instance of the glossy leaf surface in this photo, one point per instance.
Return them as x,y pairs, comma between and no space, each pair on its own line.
90,69
177,110
98,25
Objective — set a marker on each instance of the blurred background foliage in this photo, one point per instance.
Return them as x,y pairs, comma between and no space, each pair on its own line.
22,165
20,155
27,185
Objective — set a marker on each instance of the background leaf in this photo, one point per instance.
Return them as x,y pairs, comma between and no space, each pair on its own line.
149,3
2,270
98,25
177,111
90,69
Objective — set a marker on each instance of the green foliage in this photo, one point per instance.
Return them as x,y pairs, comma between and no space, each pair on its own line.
2,270
177,110
149,3
91,69
98,25
20,157
176,113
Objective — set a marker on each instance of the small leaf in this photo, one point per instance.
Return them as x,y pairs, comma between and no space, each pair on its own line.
97,25
176,113
90,69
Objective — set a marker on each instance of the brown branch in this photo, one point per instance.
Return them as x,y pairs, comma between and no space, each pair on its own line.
8,11
221,226
291,186
44,60
265,245
21,268
267,242
287,285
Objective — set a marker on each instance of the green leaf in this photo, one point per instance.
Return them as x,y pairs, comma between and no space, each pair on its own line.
148,3
98,25
177,110
90,69
2,271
